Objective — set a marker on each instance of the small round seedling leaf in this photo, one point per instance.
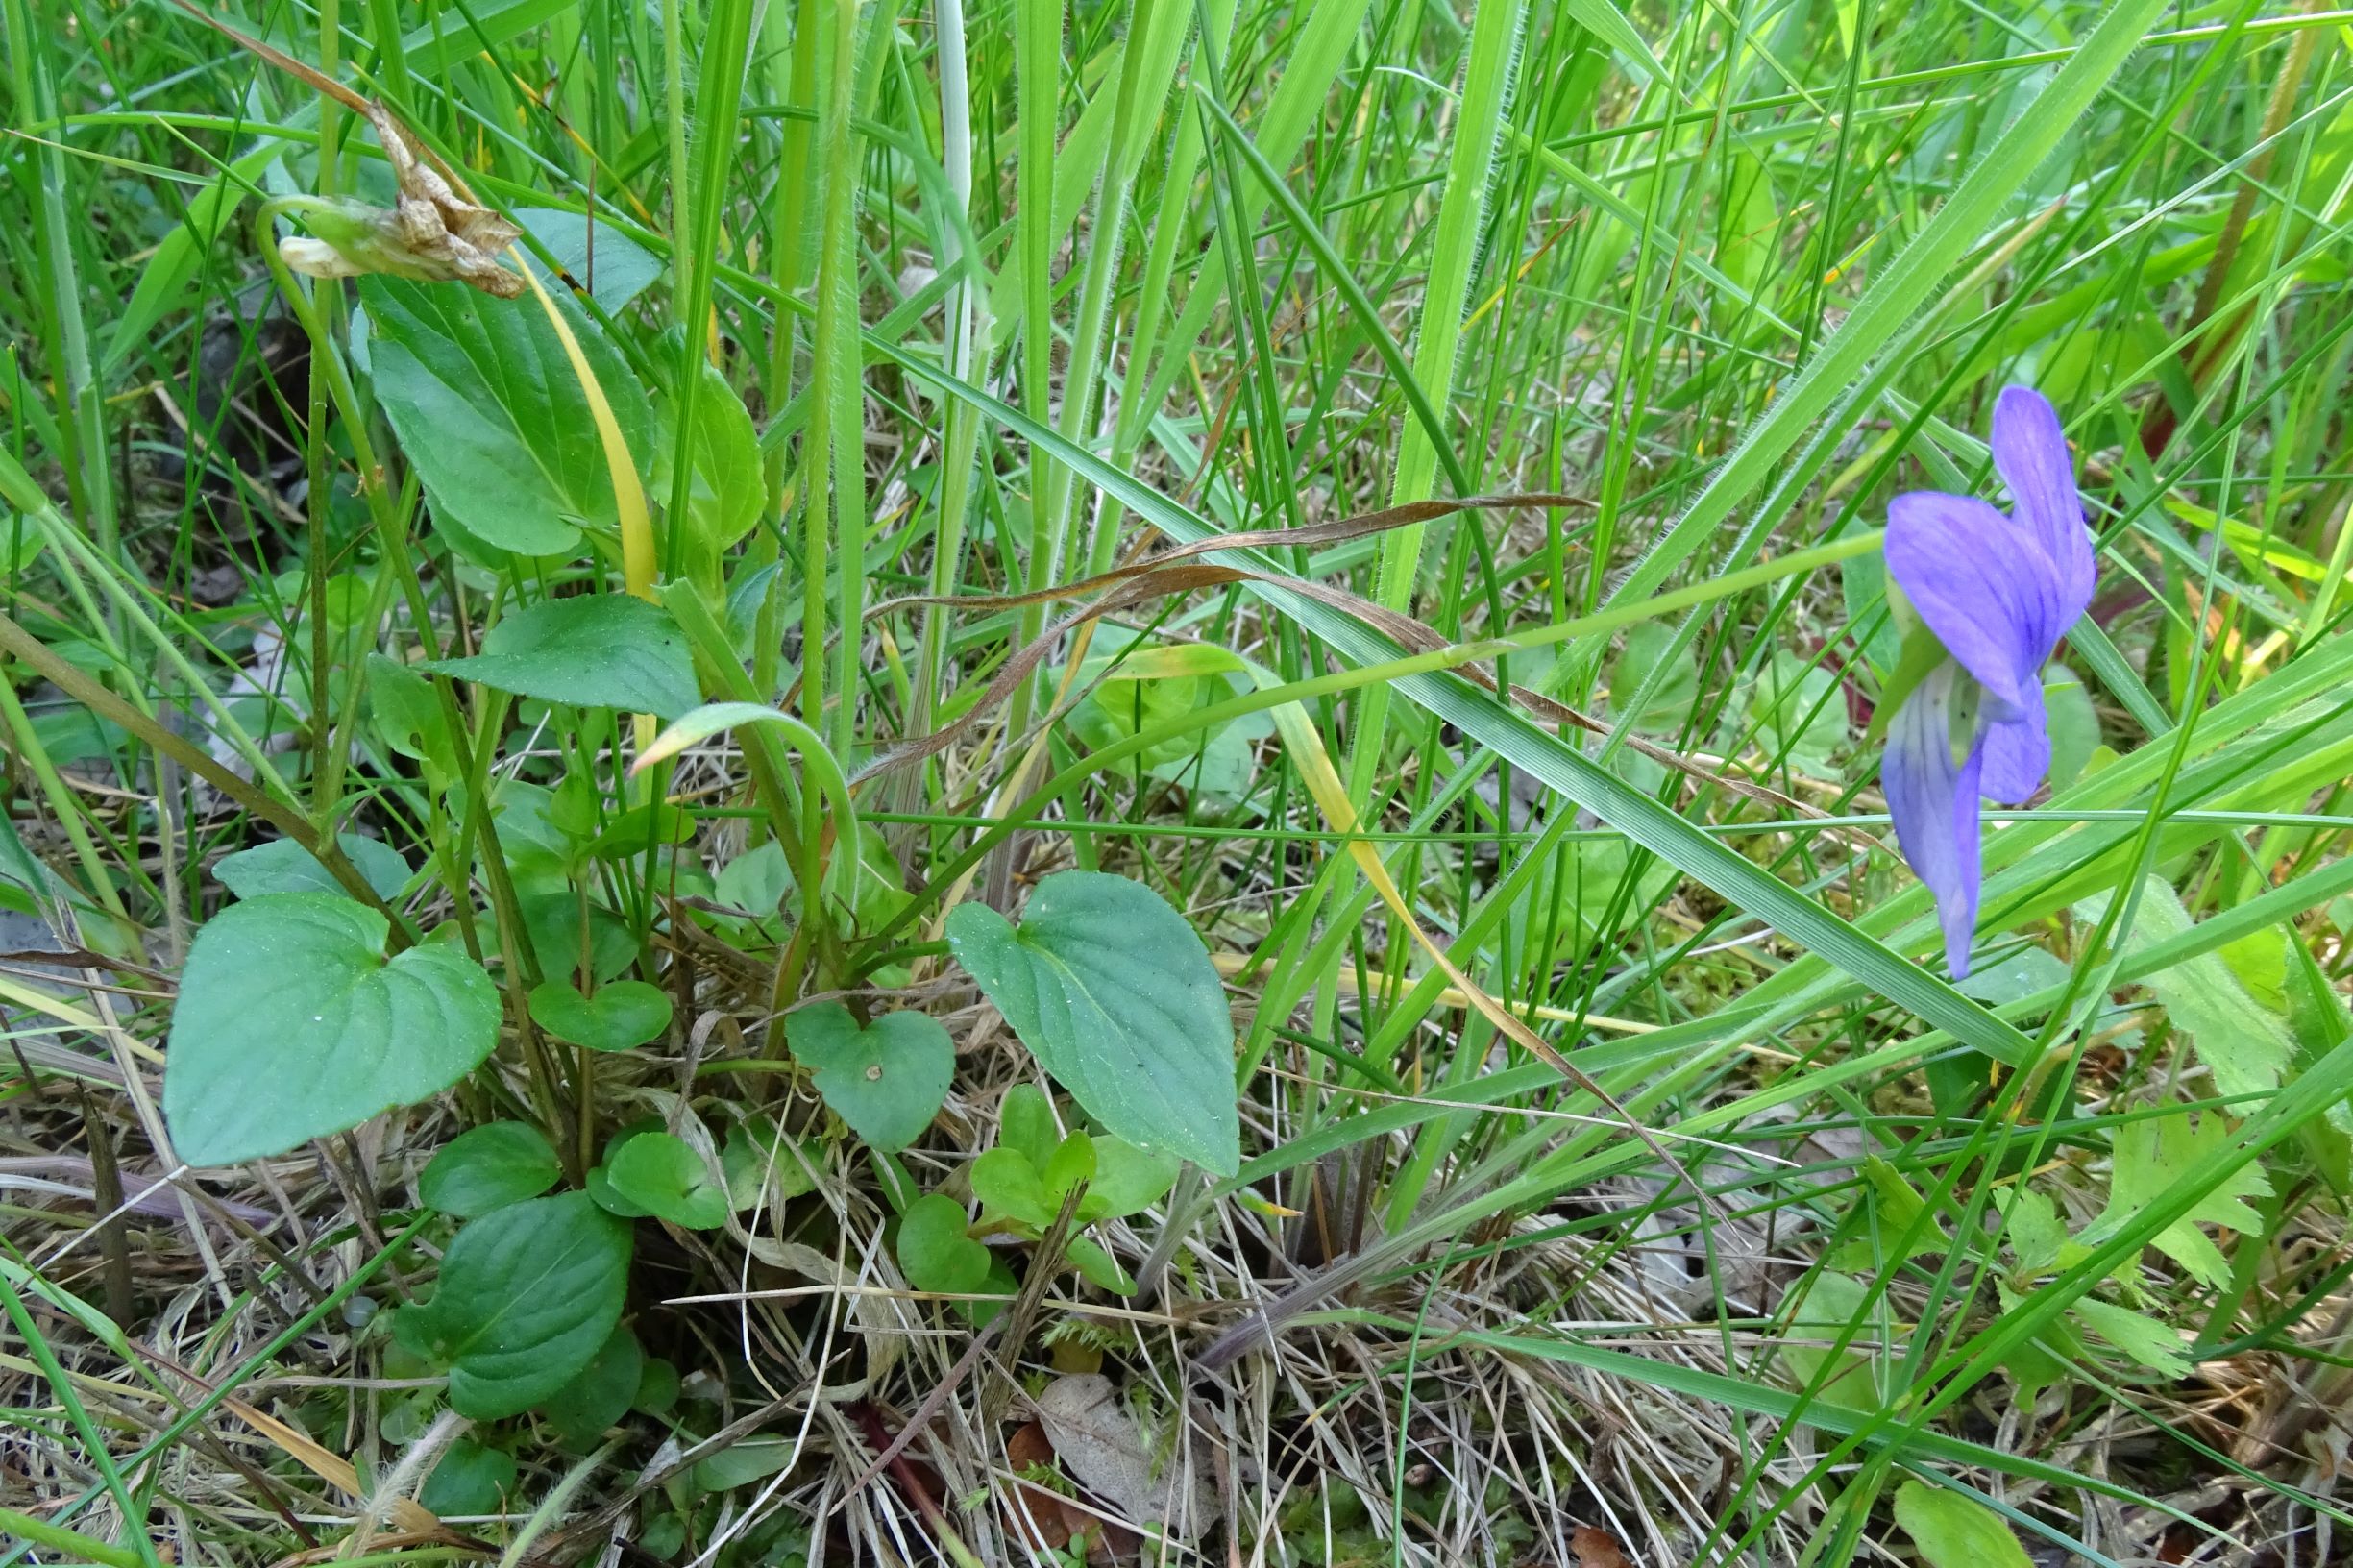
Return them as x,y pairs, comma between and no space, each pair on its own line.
661,1173
620,1017
528,1296
1070,1166
283,865
657,1387
886,1080
471,1478
1009,1186
1129,1180
292,1024
935,1252
1955,1531
489,1167
1114,992
1026,1123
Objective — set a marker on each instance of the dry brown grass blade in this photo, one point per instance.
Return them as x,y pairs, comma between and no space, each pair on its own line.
329,1467
1174,579
308,75
1338,531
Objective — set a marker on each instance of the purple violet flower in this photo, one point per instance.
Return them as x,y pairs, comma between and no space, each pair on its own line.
1998,591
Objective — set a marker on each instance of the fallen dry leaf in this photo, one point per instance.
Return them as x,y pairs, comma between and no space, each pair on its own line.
1597,1549
1036,1513
1104,1449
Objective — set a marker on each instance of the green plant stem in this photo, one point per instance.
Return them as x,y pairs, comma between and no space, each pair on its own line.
1495,34
968,314
1037,33
73,1543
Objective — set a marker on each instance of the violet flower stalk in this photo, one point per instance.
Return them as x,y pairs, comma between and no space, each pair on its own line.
1998,591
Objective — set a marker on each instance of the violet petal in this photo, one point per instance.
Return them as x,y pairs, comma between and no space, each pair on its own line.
1983,586
2017,754
2030,449
1932,797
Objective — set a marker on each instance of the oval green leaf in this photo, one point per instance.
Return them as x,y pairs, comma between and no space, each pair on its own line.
1955,1531
605,651
618,1018
488,1167
1115,994
527,1297
661,1174
488,411
292,1024
283,865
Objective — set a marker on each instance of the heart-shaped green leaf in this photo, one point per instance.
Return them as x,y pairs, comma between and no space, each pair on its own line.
886,1080
618,1018
292,1024
728,489
598,1182
1114,992
616,268
661,1173
763,1165
935,1252
528,1296
605,651
490,414
283,865
1648,644
553,921
488,1167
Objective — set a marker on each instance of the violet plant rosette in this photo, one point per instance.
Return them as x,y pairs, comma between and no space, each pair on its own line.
1998,590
